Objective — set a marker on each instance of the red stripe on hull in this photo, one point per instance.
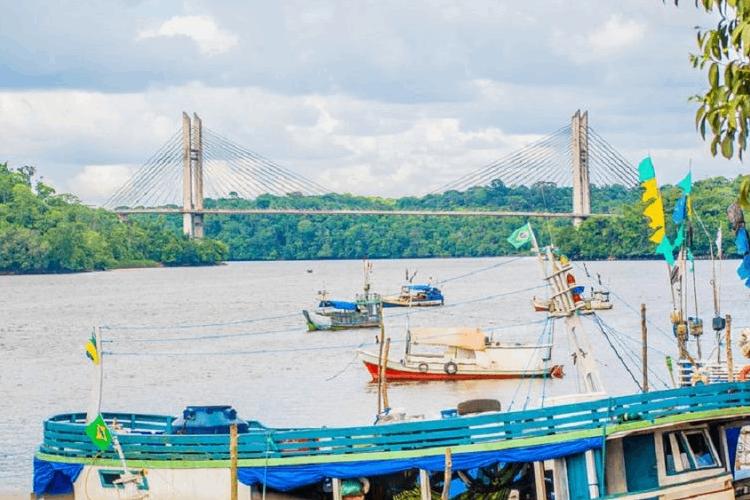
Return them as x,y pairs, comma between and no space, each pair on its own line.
394,374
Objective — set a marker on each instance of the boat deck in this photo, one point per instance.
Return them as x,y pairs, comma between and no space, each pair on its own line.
153,438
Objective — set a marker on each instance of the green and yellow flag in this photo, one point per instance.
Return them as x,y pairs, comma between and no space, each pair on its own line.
99,433
520,236
92,350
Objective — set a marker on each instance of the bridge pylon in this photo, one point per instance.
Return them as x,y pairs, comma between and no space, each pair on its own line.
579,130
192,176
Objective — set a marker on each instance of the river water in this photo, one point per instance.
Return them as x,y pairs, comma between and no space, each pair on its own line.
271,369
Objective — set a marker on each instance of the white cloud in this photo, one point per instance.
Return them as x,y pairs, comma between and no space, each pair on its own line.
610,39
615,35
203,30
97,182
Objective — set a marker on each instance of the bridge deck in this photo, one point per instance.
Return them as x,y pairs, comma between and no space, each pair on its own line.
291,211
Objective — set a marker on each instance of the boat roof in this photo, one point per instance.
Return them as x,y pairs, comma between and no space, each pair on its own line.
463,337
420,288
339,304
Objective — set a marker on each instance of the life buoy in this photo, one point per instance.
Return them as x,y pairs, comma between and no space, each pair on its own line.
557,372
450,368
423,367
744,373
699,378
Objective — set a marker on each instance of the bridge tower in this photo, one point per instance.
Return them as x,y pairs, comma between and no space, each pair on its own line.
579,128
192,176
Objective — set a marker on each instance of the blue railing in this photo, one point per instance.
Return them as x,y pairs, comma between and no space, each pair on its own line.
150,437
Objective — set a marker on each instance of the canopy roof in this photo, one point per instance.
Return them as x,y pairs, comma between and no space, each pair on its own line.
463,337
338,304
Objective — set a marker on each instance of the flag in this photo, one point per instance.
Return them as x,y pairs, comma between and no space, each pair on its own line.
680,210
666,249
92,350
98,433
654,211
520,236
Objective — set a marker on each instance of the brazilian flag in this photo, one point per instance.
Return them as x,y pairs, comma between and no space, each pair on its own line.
99,433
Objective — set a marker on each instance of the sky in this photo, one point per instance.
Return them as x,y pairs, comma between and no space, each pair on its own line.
385,98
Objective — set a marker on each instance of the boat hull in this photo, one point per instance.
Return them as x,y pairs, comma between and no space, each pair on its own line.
397,302
396,374
337,322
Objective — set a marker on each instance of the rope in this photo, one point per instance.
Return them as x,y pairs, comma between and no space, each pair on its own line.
609,341
493,266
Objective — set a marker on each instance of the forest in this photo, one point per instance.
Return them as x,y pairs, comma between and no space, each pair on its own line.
623,234
42,231
45,232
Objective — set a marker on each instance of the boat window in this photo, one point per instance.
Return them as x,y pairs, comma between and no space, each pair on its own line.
108,478
686,451
700,446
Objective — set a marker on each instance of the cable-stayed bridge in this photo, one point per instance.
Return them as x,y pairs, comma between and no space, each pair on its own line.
197,163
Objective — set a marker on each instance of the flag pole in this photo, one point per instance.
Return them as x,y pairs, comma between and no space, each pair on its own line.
537,251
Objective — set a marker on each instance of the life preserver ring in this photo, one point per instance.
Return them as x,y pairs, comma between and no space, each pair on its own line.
699,378
450,368
557,372
744,373
423,367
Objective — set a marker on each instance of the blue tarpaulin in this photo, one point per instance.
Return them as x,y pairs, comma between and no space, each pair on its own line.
289,477
54,477
338,304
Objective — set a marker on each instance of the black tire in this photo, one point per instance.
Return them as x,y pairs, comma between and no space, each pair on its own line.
423,367
478,406
450,368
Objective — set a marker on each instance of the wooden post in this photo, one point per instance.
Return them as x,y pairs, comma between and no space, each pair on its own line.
644,347
233,462
448,475
336,487
541,488
730,357
384,376
424,485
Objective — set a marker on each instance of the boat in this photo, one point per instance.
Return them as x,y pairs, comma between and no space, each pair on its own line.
365,312
597,300
463,354
424,295
671,444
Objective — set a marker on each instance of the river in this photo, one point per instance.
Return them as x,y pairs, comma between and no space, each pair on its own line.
272,370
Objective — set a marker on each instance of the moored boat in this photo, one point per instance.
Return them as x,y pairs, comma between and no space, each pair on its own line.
463,354
365,312
415,296
678,443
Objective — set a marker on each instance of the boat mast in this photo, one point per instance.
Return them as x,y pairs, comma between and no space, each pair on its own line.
562,285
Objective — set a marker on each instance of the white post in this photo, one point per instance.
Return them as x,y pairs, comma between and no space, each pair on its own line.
584,355
336,487
424,485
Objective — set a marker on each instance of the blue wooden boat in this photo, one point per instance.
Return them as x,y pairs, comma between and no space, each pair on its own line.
678,443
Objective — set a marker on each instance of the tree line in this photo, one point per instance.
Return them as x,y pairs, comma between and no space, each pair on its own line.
45,232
